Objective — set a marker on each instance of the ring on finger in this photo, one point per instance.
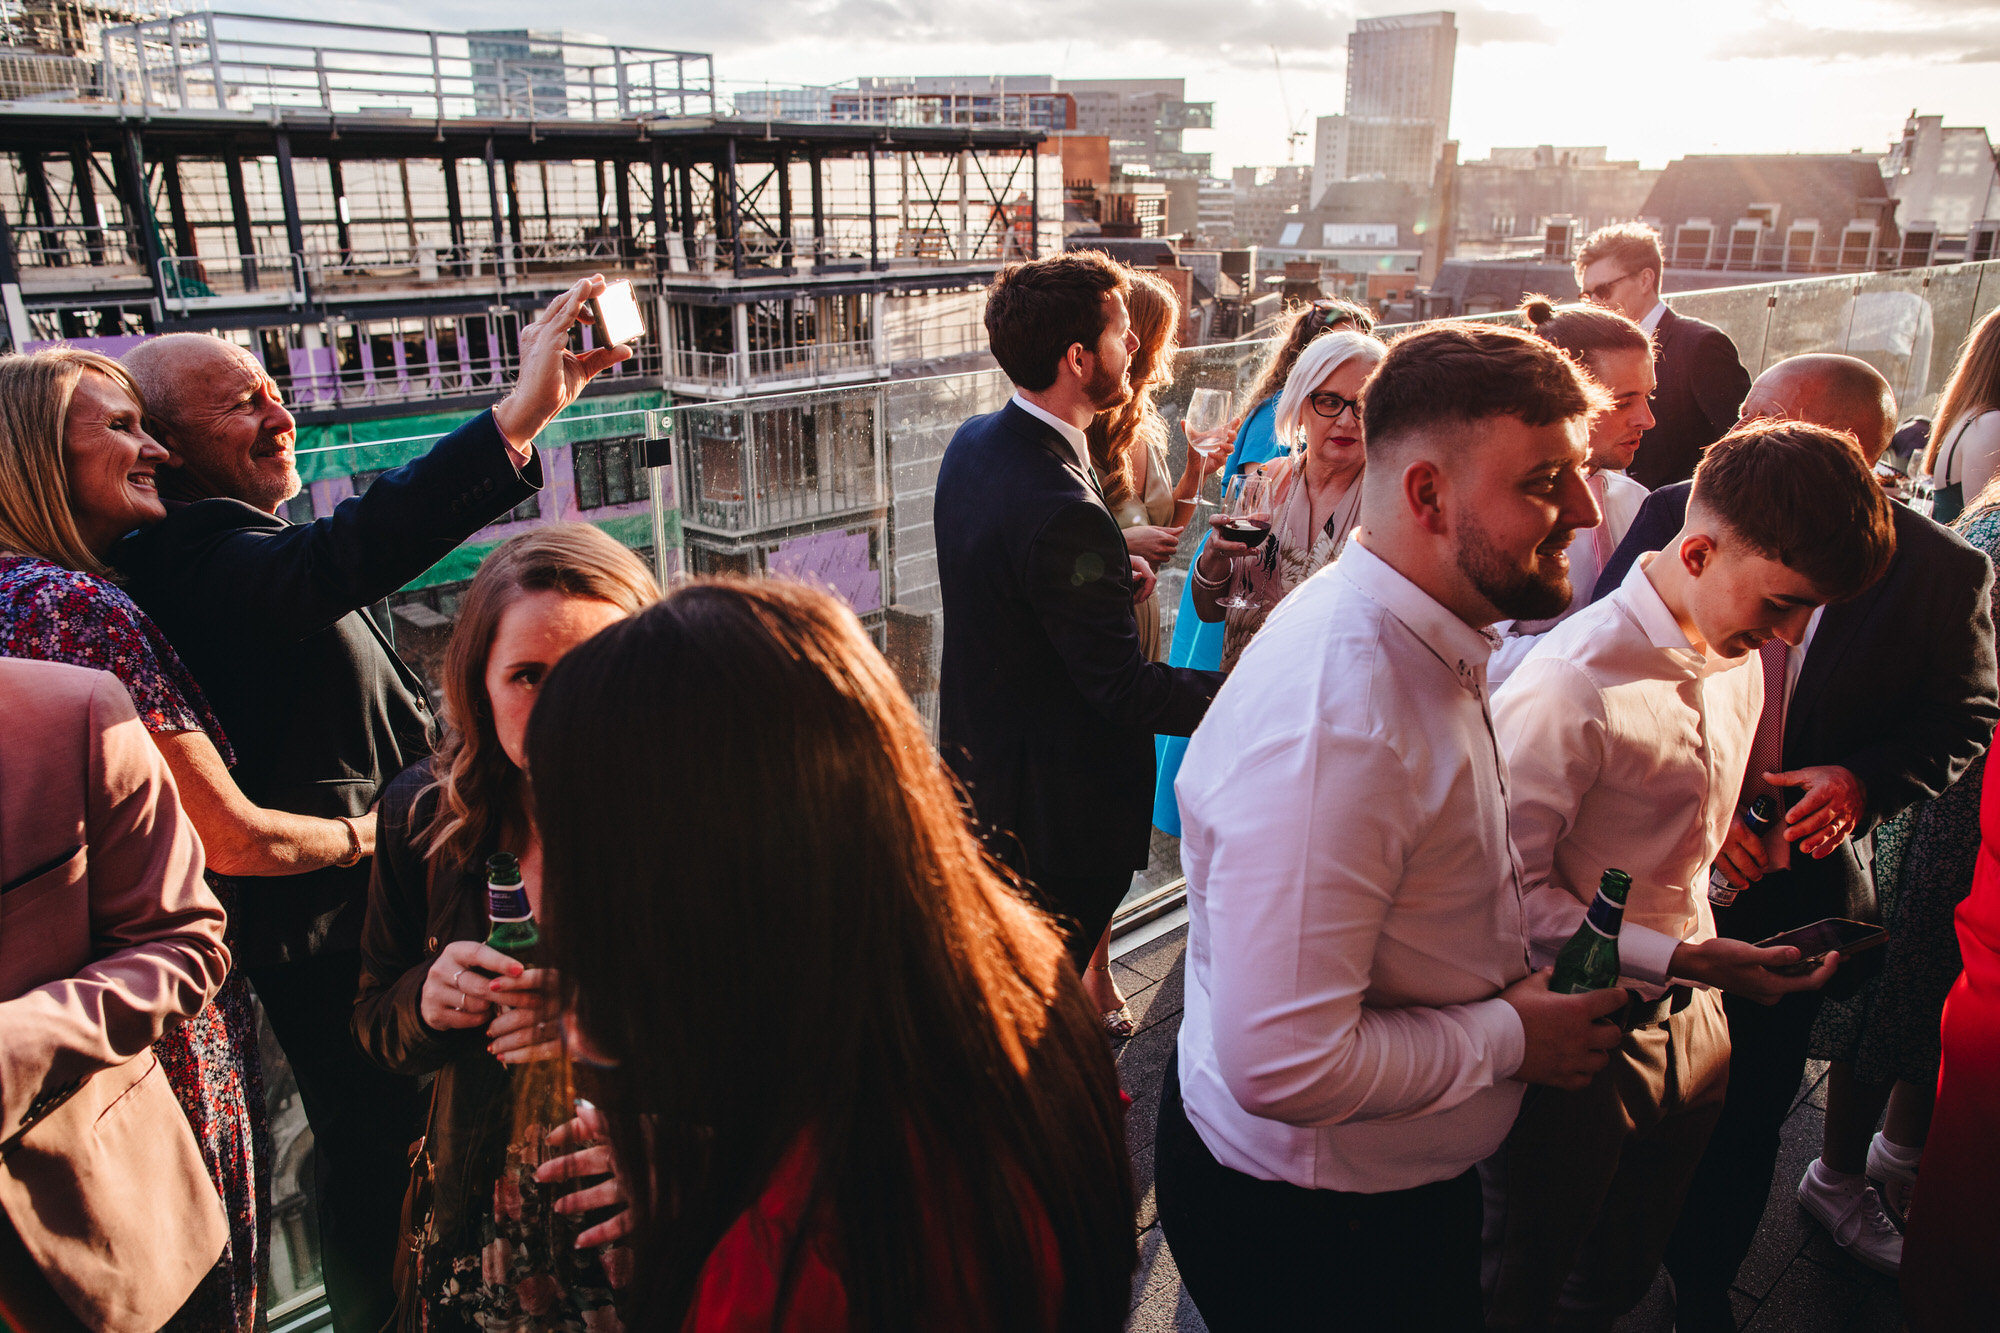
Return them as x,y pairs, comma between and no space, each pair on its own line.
455,976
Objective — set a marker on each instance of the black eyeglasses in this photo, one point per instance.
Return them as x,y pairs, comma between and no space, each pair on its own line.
1331,405
1603,289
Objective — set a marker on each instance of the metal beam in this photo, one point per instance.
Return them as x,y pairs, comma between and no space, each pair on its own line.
81,164
184,237
685,170
493,201
659,206
785,210
53,252
874,241
621,182
239,210
735,216
454,210
339,184
819,211
131,173
288,193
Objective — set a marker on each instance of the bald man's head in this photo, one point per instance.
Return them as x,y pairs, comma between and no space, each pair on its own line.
211,403
1826,389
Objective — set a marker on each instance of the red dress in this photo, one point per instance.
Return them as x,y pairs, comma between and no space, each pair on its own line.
739,1283
1951,1255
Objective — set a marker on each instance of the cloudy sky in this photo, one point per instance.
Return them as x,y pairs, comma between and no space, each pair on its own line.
1650,81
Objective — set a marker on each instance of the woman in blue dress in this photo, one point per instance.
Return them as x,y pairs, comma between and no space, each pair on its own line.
1198,643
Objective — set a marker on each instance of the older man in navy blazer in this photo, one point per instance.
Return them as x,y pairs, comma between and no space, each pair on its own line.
1049,707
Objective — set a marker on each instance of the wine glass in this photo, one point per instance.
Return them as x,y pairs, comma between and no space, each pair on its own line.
1248,506
1206,422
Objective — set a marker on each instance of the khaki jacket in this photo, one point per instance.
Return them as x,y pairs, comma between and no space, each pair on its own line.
107,937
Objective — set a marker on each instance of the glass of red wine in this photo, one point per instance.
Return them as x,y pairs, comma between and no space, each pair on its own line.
1248,509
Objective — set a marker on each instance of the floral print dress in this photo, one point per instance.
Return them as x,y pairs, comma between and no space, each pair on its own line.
55,614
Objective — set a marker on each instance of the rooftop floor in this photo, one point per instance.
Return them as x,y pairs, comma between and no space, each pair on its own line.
1794,1281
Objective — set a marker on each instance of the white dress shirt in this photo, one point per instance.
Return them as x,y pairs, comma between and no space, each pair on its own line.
1618,500
1353,898
1625,749
1068,432
1653,318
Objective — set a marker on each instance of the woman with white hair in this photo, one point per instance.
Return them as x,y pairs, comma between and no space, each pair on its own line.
1315,494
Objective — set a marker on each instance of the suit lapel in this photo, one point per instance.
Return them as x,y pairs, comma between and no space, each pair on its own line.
1838,627
1033,428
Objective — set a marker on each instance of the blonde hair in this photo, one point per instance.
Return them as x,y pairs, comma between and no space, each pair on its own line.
36,515
1323,355
476,783
1117,434
1974,386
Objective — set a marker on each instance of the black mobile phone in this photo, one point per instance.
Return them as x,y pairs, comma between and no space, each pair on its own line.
1821,938
616,315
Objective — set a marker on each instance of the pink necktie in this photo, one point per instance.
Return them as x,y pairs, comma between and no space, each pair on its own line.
1767,745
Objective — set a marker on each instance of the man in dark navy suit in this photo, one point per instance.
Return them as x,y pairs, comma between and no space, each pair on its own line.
1701,381
1048,706
1886,701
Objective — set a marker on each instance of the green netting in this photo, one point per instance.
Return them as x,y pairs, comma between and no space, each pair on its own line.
347,447
633,530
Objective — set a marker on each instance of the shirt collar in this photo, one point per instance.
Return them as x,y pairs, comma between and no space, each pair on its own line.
1458,645
1653,317
1076,439
1639,597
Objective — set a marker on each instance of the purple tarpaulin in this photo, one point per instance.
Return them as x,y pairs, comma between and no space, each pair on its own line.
837,561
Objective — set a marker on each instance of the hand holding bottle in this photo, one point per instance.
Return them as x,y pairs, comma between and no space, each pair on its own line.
458,990
528,1023
1569,1037
584,1151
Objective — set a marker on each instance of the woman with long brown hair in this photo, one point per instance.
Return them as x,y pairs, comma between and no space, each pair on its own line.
1964,452
850,1079
1128,448
434,998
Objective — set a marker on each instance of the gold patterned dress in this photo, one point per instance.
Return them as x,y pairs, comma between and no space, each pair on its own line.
1151,505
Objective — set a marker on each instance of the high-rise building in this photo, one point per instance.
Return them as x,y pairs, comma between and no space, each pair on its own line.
1144,119
1398,106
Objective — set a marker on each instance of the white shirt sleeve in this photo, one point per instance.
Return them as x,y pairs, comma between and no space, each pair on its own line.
1979,454
1313,833
1507,658
1550,724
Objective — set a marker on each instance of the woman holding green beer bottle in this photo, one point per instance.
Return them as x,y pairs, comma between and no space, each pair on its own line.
449,978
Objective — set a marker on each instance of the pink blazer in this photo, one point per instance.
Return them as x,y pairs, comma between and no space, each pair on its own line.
107,937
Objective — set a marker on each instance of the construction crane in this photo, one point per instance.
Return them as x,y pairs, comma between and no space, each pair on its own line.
1295,129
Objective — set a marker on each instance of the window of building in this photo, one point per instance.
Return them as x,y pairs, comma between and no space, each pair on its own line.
609,472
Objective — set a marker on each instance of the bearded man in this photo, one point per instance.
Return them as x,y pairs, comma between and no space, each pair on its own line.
1048,705
1361,1018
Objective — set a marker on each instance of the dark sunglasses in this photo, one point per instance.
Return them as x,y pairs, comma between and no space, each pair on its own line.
1603,289
1331,405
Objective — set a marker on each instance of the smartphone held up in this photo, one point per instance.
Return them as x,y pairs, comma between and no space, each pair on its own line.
615,313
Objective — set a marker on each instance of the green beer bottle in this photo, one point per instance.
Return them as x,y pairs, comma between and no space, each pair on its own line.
1590,960
513,922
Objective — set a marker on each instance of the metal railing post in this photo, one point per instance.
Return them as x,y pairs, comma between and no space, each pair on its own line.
215,64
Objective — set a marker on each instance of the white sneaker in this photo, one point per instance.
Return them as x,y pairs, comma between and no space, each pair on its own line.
1854,1218
1892,1178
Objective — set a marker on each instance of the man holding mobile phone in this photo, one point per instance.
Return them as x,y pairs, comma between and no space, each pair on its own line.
1627,731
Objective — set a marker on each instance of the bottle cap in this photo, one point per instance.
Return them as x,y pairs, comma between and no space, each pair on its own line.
503,868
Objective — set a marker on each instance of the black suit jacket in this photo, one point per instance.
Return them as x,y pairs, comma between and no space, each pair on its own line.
268,616
1898,687
1048,707
1701,390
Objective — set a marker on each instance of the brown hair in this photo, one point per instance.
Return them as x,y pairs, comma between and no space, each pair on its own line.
1037,311
1633,244
1118,434
1454,374
1974,386
1303,323
36,517
766,907
1804,496
1584,330
477,785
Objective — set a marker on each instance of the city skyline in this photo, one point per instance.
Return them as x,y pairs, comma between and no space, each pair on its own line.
1723,77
